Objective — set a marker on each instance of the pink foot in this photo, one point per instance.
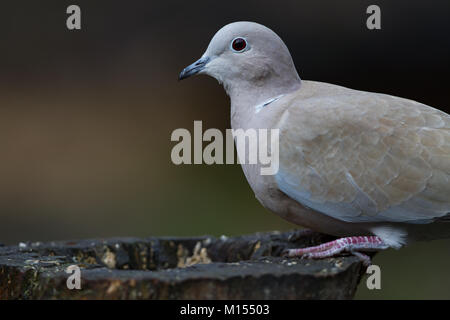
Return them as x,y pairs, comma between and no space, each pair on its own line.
334,248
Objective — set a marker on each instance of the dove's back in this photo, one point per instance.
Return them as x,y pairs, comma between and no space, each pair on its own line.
362,157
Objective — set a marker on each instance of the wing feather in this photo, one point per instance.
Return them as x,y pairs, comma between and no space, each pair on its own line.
366,157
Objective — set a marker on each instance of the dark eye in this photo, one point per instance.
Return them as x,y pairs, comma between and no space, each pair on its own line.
239,44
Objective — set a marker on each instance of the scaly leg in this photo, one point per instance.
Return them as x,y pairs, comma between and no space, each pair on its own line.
350,244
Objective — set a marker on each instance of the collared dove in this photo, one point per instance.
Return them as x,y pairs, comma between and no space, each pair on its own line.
371,168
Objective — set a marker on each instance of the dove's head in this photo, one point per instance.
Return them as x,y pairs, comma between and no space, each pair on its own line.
247,56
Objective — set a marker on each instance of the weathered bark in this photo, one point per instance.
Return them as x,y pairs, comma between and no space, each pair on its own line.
246,267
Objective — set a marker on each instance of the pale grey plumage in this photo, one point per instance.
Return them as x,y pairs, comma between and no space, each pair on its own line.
351,162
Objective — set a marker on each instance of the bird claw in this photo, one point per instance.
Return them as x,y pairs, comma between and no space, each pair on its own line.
351,245
285,253
365,259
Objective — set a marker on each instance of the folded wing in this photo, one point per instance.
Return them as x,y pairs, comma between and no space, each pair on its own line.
366,157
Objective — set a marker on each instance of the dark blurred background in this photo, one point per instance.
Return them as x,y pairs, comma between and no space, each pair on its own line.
86,116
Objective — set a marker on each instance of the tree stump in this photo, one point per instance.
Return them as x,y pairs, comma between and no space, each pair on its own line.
244,267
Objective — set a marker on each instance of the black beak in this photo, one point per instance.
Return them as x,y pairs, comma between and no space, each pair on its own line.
194,68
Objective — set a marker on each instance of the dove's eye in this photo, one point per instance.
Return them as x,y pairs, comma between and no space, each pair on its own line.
239,44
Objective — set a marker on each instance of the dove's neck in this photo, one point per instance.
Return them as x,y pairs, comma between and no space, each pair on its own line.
247,100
